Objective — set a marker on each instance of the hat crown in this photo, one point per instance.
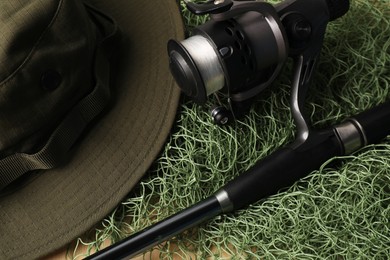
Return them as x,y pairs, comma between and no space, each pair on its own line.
46,55
21,29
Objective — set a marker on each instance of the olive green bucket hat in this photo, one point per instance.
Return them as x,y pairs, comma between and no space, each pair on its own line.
86,105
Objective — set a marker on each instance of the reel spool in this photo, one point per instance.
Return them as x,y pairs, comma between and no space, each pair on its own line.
239,52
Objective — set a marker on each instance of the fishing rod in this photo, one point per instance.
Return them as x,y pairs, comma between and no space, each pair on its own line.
249,41
279,170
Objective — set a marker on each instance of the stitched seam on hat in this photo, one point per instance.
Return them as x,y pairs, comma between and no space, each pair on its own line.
33,49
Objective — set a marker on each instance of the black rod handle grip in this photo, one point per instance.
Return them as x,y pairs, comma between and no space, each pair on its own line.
282,168
375,122
161,231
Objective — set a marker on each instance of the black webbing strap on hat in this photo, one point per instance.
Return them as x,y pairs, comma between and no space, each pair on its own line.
65,135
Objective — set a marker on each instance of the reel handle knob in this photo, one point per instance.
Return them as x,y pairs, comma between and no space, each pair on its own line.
221,115
210,7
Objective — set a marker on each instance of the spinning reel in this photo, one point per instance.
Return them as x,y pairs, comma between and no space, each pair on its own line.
241,50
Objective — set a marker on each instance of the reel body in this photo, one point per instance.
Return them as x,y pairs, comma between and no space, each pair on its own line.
241,50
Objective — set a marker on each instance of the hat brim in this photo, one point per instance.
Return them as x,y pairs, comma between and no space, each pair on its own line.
58,205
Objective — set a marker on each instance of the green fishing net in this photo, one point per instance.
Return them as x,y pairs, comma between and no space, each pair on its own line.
340,211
